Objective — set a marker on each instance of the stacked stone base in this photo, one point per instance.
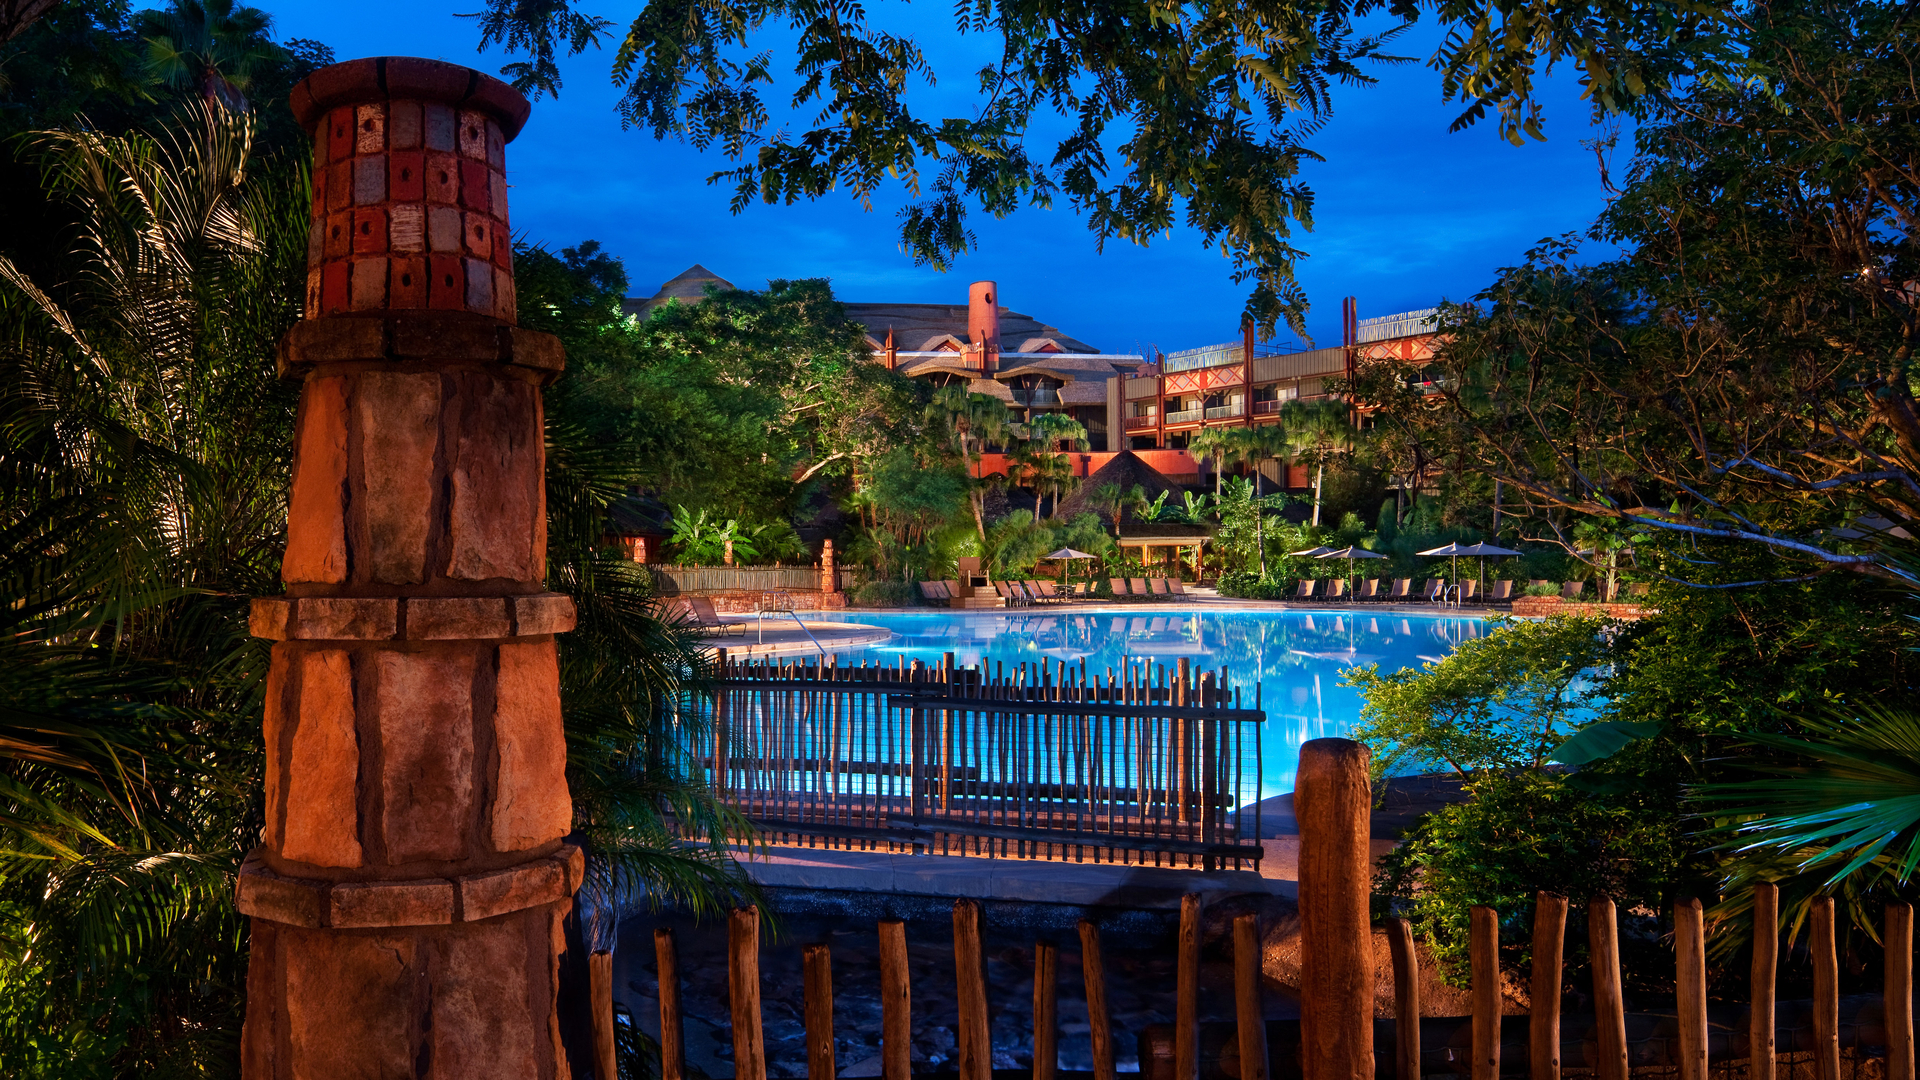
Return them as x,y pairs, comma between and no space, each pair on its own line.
1542,606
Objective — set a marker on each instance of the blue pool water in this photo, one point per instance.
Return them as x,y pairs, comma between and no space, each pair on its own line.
1296,657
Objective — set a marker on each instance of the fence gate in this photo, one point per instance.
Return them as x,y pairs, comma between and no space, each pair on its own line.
1145,765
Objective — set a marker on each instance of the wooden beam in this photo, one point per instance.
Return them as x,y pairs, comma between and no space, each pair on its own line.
1610,1016
606,1064
1899,991
1690,987
1406,1000
1249,1014
1483,949
1093,970
896,1003
1543,1024
1826,991
975,1057
1333,803
673,1040
743,993
1186,1006
1046,1014
1765,972
817,961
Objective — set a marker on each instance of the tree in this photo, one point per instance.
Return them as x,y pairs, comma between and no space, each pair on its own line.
1211,103
211,45
1215,444
1742,370
1317,431
974,421
1041,463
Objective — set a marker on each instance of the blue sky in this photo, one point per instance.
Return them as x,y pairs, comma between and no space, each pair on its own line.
1406,214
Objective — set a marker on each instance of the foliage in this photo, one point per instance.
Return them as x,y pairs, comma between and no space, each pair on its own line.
1499,702
1525,832
709,543
886,593
1214,102
1742,370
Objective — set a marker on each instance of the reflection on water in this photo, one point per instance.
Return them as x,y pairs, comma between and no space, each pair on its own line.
1295,657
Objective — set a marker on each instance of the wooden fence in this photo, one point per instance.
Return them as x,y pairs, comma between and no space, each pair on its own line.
1045,760
700,580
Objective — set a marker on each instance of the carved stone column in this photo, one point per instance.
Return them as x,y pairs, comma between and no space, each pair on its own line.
407,899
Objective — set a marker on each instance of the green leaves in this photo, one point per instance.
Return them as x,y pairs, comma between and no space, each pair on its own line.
1603,739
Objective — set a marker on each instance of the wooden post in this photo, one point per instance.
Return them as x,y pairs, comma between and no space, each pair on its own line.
1766,963
1186,1006
1406,1000
1609,1012
975,1059
1483,948
1333,801
818,973
1046,1015
606,1065
743,993
1543,1022
1690,987
1093,970
1899,991
1826,992
1248,1013
896,1003
673,1041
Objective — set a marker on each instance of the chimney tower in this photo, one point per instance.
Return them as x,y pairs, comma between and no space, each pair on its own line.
407,896
983,323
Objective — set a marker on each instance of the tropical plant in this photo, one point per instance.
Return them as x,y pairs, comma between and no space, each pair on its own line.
1192,510
704,542
213,46
973,421
1213,444
1318,431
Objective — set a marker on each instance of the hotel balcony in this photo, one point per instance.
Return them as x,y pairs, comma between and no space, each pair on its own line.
1267,408
1137,423
1221,412
1186,416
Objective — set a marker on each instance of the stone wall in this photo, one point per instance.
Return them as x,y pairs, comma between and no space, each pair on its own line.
1541,606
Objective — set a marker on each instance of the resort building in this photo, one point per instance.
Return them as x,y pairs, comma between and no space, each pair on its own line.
988,347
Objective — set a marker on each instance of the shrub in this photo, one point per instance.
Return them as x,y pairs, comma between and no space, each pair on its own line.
886,594
1542,589
1249,585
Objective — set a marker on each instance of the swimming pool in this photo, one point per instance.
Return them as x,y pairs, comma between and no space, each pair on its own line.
1295,656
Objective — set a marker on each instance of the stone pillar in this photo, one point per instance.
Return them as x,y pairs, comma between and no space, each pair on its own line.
407,897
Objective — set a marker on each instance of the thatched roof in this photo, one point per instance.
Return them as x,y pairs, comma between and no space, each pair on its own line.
1126,469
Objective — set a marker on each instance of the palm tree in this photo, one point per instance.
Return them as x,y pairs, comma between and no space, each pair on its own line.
1213,443
1044,465
210,45
975,420
1268,442
1317,430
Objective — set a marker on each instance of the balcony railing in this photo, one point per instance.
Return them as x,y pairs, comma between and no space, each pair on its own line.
1267,408
1187,416
1221,412
1135,423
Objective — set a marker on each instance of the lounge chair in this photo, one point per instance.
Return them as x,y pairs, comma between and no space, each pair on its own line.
1139,586
1501,593
1119,587
1159,587
1400,589
953,589
1051,592
932,590
699,611
1470,592
1174,587
1573,590
1435,590
1336,589
1368,590
1001,588
1305,590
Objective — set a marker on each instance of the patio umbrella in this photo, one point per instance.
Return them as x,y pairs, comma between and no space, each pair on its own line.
1350,554
1484,551
1069,553
1453,550
1312,552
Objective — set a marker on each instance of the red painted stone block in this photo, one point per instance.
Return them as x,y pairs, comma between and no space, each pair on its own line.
443,230
479,286
339,236
316,511
424,708
497,196
323,766
333,288
474,185
276,721
477,968
406,176
370,231
502,247
531,804
478,234
440,126
314,277
340,133
473,135
504,303
407,282
447,283
496,147
369,180
320,174
350,1003
442,178
397,419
